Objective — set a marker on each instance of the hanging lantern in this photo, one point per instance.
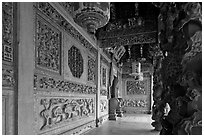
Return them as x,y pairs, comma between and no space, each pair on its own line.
136,71
91,15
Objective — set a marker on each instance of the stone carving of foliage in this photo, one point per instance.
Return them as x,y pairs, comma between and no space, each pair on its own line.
60,110
135,87
75,62
103,92
54,15
91,69
7,31
135,103
48,43
49,83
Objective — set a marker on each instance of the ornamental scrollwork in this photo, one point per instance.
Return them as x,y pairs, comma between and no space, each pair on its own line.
75,62
135,103
60,110
49,83
7,31
135,87
48,46
103,92
91,69
55,16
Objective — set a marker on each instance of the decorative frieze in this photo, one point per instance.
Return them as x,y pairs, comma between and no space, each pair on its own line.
103,105
135,87
48,46
60,110
55,16
129,40
91,69
52,84
7,77
135,103
75,62
7,31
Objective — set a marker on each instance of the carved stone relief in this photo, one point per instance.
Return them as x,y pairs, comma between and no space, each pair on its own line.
60,110
48,46
7,77
135,103
103,92
103,105
54,15
67,6
91,69
7,31
104,77
75,62
135,87
53,84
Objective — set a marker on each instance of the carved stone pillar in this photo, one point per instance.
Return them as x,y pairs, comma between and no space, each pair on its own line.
113,103
119,111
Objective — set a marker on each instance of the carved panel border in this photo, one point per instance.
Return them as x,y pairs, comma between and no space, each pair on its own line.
48,46
48,83
7,31
103,105
135,103
91,68
103,92
55,112
55,16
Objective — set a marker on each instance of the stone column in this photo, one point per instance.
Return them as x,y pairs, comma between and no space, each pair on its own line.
119,108
25,69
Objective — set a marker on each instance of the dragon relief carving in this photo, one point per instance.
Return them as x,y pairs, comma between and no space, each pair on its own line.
59,110
48,83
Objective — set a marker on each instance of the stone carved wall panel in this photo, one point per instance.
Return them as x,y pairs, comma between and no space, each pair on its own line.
135,103
8,77
7,31
55,16
91,69
135,87
48,46
103,105
53,84
75,62
56,111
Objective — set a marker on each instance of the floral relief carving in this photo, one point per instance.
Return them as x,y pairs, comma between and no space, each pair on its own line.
49,83
135,103
48,43
135,87
60,110
104,76
91,69
103,92
53,14
7,31
75,62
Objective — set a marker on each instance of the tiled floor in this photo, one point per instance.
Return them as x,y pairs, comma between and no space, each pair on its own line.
137,124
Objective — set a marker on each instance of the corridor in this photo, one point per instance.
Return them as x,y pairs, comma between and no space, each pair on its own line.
129,124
